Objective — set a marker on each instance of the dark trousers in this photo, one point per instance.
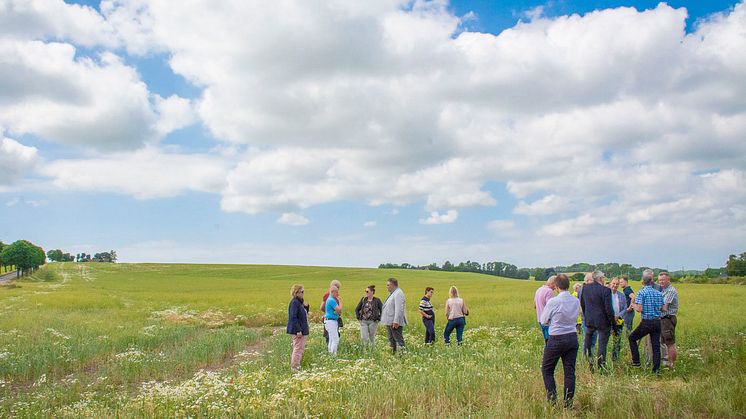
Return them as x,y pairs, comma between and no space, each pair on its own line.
396,337
457,324
616,345
647,327
429,329
564,347
603,342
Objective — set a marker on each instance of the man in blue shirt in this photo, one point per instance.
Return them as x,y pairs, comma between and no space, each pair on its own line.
648,303
561,315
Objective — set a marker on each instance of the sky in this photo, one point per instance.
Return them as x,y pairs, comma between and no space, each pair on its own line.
353,133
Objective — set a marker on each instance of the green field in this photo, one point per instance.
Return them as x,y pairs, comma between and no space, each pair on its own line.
103,340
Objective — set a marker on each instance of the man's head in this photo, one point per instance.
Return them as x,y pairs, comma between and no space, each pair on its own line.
664,279
598,276
647,280
429,292
614,284
623,282
562,282
551,280
392,284
647,273
576,287
588,278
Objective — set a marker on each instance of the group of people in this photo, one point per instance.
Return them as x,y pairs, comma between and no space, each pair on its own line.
370,312
598,309
602,312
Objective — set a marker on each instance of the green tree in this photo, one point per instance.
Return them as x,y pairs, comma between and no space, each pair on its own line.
55,255
736,265
24,255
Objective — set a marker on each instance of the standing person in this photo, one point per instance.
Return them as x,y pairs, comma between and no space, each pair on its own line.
394,314
648,303
456,310
594,337
368,312
599,317
576,294
668,319
541,297
334,284
297,324
629,297
331,319
560,314
619,304
428,315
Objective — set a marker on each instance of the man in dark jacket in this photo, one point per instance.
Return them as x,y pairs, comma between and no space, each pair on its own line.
598,314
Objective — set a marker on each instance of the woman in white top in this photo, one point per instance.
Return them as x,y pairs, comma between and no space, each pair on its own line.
456,309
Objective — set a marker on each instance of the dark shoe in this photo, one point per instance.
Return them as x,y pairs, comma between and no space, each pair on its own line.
635,365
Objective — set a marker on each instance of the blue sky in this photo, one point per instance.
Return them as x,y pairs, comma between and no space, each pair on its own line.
352,134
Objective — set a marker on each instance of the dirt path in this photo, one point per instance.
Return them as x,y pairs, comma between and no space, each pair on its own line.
7,277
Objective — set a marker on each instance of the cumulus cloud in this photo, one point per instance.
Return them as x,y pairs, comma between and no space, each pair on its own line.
146,173
16,160
437,218
293,219
594,123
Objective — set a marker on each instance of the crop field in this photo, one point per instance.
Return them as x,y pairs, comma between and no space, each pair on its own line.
156,340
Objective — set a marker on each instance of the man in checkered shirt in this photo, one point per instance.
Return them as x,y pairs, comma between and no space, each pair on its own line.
648,303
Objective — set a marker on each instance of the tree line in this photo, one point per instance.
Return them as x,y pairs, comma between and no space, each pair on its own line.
735,267
58,255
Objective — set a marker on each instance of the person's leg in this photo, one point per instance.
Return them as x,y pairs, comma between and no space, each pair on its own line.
372,330
295,356
603,343
549,362
364,333
587,339
616,342
448,331
460,325
633,339
392,341
332,327
399,337
655,339
569,358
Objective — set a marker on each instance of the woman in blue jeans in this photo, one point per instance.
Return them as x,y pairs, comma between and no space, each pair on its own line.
456,309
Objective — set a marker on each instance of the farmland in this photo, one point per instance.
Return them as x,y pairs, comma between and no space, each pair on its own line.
208,340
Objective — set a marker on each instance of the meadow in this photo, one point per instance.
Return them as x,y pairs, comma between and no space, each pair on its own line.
156,340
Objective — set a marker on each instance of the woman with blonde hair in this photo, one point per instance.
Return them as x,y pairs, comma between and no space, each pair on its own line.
456,310
297,324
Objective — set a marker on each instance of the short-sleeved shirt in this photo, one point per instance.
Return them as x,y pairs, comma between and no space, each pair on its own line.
627,292
330,304
651,300
426,306
671,297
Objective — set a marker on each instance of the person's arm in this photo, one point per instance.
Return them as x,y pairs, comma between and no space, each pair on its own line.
465,308
638,303
359,308
447,308
631,301
546,315
398,310
322,307
608,307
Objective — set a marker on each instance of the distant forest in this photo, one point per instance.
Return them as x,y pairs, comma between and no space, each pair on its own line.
577,270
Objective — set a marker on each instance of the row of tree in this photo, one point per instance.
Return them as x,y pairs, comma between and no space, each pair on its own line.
58,255
24,255
503,269
736,266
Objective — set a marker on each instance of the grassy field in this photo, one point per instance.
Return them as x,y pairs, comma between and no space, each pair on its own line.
103,340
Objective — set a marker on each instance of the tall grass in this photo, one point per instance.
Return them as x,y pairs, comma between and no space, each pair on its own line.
198,340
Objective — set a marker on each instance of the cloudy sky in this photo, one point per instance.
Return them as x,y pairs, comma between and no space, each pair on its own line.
351,133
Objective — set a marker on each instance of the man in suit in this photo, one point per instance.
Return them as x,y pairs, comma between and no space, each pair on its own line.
394,315
598,314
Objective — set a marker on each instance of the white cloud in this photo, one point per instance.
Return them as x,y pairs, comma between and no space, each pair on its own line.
437,218
146,173
369,224
16,160
293,219
549,204
501,226
13,202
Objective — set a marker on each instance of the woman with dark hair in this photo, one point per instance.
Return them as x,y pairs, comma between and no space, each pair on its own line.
368,312
297,324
